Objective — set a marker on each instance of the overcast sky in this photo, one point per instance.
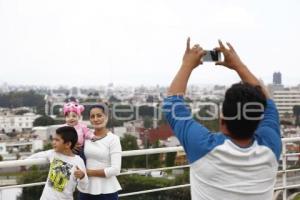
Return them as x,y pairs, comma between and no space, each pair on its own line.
134,42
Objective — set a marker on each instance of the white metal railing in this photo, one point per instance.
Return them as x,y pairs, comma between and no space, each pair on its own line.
283,172
41,161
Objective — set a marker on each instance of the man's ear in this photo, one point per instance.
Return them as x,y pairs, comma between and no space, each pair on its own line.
223,127
222,122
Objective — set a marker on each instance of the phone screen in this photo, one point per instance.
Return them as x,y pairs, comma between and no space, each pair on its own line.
211,56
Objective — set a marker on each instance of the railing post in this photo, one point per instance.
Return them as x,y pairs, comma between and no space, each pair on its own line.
284,159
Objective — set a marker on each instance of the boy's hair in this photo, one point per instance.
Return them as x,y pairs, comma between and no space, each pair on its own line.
236,97
68,134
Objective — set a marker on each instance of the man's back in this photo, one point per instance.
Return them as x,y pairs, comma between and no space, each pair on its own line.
220,169
231,172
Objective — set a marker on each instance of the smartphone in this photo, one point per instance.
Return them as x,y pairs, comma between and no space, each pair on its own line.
211,56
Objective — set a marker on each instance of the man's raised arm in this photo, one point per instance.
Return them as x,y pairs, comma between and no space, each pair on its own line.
269,127
191,59
232,61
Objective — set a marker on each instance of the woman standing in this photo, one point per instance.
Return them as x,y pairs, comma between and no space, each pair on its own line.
103,159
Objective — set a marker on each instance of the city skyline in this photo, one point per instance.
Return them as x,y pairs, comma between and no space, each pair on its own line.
141,43
277,80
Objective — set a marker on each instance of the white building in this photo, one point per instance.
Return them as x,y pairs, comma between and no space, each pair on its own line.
286,100
120,131
16,123
7,149
171,142
133,127
45,132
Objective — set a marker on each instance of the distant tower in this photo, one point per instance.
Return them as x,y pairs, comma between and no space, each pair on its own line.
277,78
74,92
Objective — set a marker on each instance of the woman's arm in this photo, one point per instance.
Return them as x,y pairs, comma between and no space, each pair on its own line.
96,172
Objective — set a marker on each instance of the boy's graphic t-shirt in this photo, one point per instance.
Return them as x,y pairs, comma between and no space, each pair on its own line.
61,181
59,174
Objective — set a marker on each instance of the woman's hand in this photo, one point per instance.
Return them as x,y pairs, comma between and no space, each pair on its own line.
89,172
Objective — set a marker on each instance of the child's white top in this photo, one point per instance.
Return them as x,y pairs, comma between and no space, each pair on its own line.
61,181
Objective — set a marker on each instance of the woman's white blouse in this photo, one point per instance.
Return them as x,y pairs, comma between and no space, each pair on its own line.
104,154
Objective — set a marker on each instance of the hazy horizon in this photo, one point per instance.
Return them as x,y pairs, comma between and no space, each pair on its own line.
200,85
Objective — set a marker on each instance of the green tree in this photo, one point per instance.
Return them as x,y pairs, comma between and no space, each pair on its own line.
21,112
297,197
19,99
148,122
47,146
129,142
33,175
170,159
1,158
154,159
44,121
134,183
57,110
213,124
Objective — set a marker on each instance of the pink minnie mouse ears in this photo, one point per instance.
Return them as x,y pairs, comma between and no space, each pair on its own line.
73,107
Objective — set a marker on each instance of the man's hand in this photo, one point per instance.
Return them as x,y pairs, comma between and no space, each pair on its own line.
191,59
78,173
192,56
231,59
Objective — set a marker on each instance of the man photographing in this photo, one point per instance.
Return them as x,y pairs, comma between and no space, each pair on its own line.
240,162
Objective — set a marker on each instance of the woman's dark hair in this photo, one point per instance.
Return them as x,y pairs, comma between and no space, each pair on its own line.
245,105
101,106
68,134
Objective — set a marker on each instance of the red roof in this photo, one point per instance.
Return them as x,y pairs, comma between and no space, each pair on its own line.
161,133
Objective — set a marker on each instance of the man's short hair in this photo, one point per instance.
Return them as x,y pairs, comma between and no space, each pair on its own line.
239,98
68,134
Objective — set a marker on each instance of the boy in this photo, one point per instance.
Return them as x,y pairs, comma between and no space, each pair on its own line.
66,169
